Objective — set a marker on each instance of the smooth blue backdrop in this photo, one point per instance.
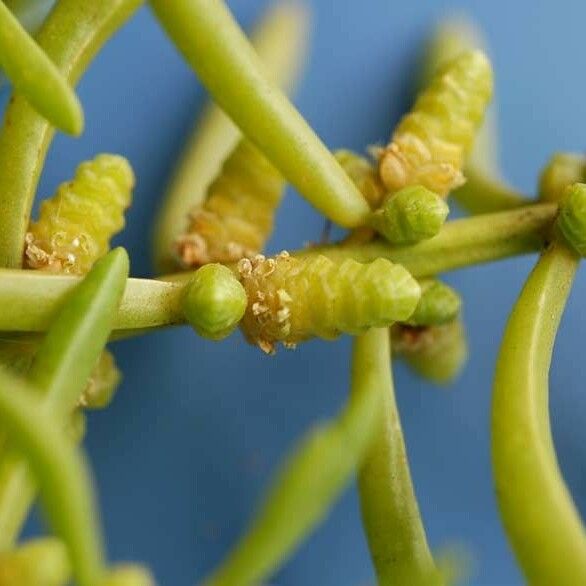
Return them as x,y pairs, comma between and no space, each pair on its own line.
182,455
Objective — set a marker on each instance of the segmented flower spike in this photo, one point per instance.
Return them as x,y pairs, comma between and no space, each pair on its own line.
430,143
237,216
75,226
562,169
292,299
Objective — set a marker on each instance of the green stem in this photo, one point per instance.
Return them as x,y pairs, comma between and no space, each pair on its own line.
34,297
35,76
312,478
72,34
280,42
211,41
62,473
60,371
483,193
460,243
537,510
390,514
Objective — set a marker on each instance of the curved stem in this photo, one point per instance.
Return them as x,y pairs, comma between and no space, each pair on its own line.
390,514
72,34
60,370
61,471
213,44
315,474
537,510
280,42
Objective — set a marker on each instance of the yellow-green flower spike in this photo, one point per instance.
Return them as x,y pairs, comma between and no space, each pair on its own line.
439,304
128,575
75,226
430,144
214,301
571,222
437,353
103,383
293,299
562,169
364,175
42,562
411,215
237,216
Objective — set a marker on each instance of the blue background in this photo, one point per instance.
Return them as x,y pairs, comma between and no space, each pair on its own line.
183,454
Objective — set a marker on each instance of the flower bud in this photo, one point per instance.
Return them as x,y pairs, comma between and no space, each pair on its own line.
214,301
563,169
128,575
439,304
412,214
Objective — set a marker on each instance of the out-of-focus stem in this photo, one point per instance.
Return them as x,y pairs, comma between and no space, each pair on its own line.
280,41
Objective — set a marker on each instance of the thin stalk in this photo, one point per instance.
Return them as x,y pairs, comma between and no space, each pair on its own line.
540,518
460,243
211,41
73,33
280,41
62,473
33,297
35,76
390,514
59,372
313,477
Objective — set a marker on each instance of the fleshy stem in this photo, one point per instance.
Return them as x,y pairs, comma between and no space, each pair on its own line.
60,370
321,466
73,33
390,514
537,510
280,42
147,304
211,41
61,471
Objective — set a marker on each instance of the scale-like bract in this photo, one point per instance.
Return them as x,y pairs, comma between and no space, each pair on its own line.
571,221
75,226
237,216
292,299
430,143
364,175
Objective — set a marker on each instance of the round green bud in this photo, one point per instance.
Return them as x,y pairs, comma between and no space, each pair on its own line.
562,169
214,301
571,222
439,304
42,562
128,575
414,213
